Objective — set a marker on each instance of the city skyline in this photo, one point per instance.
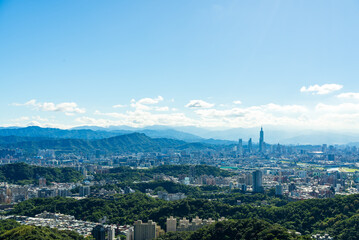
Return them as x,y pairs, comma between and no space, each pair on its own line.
207,64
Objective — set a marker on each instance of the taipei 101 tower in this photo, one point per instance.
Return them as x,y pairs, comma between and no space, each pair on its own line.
261,140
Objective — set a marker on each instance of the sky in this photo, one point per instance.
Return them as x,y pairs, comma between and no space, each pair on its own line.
204,63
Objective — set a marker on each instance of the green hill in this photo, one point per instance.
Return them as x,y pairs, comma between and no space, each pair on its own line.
129,175
38,132
338,216
38,233
246,229
129,143
12,230
24,173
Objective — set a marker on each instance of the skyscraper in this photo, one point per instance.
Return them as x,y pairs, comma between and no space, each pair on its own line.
171,224
279,190
111,233
257,181
99,232
261,140
144,231
240,146
250,145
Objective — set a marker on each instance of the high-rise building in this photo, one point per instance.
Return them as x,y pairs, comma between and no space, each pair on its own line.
99,232
42,182
171,224
261,140
130,234
240,146
111,233
291,187
85,191
193,171
279,190
257,181
250,145
144,231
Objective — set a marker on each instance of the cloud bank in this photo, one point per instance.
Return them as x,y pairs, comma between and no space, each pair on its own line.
339,112
69,108
321,90
199,104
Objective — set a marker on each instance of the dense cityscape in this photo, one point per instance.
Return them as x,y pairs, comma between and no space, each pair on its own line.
179,120
293,173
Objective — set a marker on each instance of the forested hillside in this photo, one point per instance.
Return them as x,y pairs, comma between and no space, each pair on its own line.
337,216
11,230
22,173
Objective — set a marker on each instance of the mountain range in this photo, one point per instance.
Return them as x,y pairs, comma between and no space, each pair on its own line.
90,133
127,143
272,135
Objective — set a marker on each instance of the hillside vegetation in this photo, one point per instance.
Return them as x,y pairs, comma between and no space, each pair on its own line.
127,174
11,230
247,229
22,173
129,143
337,216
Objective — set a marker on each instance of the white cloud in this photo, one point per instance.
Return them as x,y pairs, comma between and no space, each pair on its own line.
271,107
323,89
138,119
36,121
340,108
349,95
69,108
161,109
237,102
41,119
143,104
149,111
322,116
150,100
119,106
199,104
241,112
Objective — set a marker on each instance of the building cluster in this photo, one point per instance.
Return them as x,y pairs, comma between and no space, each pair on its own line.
150,230
184,225
56,220
171,196
12,193
321,237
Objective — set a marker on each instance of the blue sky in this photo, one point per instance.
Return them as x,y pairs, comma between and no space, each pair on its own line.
222,64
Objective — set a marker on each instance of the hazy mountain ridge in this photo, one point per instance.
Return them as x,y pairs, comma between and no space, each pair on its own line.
35,131
272,135
90,133
130,143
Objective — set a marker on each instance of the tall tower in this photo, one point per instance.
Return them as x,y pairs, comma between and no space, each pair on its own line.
144,231
111,233
171,224
99,232
240,146
257,181
261,140
250,145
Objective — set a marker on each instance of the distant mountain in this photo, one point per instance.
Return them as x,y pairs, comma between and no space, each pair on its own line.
272,135
129,143
93,132
34,131
170,133
17,139
321,138
21,173
161,132
153,132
